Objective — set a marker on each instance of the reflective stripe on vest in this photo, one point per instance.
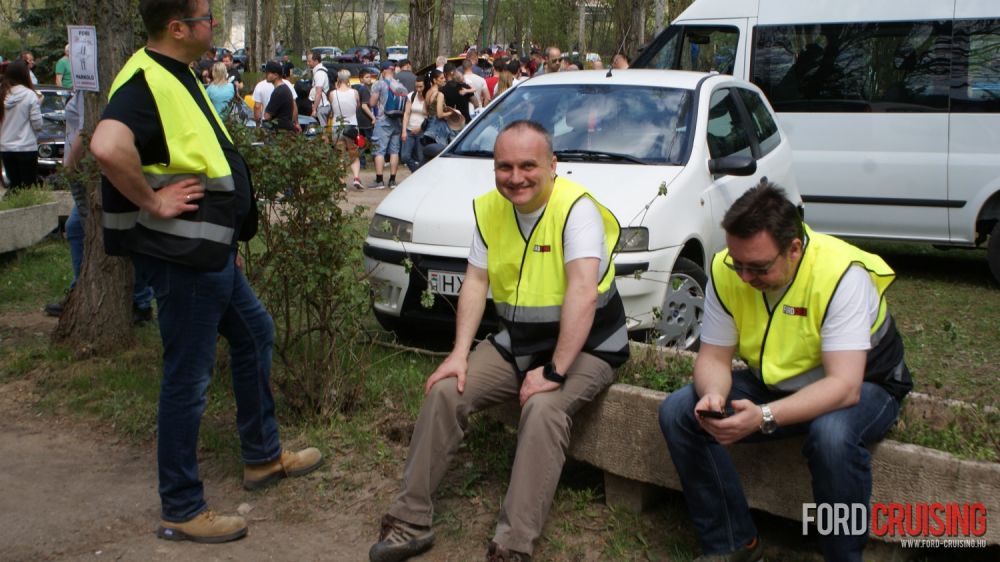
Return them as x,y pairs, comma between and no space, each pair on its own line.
783,346
193,149
528,277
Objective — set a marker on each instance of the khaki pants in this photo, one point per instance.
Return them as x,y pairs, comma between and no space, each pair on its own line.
543,436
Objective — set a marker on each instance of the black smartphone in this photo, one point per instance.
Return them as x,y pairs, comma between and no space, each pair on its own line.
714,414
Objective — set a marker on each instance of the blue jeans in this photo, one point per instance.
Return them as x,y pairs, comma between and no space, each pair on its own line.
836,450
413,152
194,307
142,294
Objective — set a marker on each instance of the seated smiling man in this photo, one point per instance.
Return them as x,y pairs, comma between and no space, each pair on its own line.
807,312
543,245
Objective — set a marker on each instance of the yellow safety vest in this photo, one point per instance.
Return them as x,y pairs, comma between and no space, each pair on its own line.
783,345
201,238
528,278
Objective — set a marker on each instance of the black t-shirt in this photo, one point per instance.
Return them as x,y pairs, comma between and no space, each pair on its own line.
234,76
134,106
365,95
452,97
280,107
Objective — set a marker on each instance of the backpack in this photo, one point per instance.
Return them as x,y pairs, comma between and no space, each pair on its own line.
395,104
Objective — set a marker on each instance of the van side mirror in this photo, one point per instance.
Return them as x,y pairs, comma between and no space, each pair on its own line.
733,166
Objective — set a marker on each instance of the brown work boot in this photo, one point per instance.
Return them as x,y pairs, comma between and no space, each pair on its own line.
399,540
497,553
208,527
256,476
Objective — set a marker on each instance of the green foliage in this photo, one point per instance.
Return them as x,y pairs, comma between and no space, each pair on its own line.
307,270
33,276
25,198
656,370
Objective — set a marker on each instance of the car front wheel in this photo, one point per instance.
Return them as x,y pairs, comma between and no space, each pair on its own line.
679,322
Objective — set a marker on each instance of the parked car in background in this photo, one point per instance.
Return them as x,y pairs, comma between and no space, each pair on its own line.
893,108
666,152
457,61
52,138
396,52
361,53
221,52
326,53
240,59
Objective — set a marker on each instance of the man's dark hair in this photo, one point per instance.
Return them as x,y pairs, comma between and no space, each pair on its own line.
156,14
313,55
449,69
765,207
404,62
533,126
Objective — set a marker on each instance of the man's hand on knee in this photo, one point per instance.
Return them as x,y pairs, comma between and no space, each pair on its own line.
453,366
534,383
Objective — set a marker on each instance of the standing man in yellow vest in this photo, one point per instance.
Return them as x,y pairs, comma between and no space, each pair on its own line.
177,196
807,312
543,245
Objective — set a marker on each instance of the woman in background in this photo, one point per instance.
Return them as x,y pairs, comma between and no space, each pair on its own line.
414,118
345,101
20,122
220,90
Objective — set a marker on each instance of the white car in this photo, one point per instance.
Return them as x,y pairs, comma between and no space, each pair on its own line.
666,151
397,52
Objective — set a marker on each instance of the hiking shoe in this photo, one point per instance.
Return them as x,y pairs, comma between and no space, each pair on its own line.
377,185
256,476
392,184
497,553
54,308
750,553
207,527
357,184
399,540
141,315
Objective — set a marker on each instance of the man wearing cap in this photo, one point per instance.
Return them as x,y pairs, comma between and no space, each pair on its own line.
177,199
389,101
281,111
542,247
262,94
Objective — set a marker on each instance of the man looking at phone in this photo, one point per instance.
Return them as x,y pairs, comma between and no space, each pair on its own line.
807,312
542,244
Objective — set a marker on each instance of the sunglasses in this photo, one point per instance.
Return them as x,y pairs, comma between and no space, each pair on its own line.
209,18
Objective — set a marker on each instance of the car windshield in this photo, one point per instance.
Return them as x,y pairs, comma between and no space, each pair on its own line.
592,122
53,101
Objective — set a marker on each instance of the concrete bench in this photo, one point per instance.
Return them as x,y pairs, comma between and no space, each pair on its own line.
619,433
26,226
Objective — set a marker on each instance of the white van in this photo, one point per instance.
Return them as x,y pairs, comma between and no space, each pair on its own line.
892,108
666,152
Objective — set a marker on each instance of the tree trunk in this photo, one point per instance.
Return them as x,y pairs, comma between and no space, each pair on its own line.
446,27
419,35
97,317
581,30
261,24
298,36
487,23
371,30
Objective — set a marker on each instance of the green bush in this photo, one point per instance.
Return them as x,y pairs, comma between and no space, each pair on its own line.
306,266
25,198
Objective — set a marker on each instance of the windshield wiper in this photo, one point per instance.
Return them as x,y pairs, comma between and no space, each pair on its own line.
480,153
596,156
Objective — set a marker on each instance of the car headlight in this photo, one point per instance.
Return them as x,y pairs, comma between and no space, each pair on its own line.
390,228
45,151
633,239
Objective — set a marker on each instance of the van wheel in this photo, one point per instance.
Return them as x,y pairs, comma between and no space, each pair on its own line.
679,325
994,251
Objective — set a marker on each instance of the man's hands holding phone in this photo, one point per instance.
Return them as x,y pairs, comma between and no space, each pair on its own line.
727,425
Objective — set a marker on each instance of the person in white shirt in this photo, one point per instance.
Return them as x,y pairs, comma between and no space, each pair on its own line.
321,86
20,122
478,83
262,94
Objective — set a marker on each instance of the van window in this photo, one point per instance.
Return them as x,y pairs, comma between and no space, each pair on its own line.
760,118
695,47
977,67
726,133
854,67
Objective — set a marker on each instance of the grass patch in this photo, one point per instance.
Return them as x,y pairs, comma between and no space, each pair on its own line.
33,276
25,198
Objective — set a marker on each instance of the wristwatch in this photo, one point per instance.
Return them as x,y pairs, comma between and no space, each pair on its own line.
549,373
767,425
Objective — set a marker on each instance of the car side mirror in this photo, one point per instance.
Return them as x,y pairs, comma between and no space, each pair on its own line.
733,165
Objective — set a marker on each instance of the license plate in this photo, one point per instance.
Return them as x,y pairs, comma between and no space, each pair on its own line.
445,282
